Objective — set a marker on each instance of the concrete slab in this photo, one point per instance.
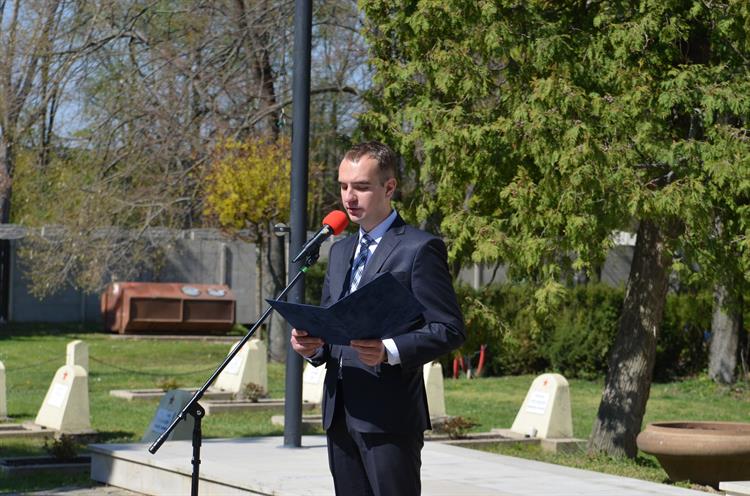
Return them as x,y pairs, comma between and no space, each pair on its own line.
25,430
263,466
735,488
156,393
263,404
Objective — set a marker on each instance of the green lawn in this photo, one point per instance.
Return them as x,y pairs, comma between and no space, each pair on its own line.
32,355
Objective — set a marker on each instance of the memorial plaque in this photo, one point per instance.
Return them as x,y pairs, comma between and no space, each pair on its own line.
433,383
250,365
66,405
545,412
313,379
170,406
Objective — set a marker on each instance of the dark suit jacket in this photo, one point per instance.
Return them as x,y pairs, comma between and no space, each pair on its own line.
386,398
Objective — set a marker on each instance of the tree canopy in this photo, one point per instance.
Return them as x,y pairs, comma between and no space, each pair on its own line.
247,185
120,105
531,131
537,128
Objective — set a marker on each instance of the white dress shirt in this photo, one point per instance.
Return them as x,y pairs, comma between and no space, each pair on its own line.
377,233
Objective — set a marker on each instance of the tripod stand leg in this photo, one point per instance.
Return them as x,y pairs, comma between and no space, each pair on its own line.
197,412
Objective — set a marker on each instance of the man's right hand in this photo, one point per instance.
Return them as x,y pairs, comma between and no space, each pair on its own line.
305,344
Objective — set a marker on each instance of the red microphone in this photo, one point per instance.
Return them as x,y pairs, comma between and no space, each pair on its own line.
336,220
333,223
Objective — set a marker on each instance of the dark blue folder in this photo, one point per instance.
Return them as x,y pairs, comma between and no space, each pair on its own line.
382,308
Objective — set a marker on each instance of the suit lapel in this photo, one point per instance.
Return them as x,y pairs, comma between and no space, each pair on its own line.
387,244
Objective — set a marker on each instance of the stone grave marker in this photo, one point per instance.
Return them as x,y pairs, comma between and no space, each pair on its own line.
3,398
545,412
433,383
313,379
170,406
248,366
66,405
77,353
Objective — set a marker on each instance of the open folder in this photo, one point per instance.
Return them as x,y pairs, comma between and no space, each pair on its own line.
382,308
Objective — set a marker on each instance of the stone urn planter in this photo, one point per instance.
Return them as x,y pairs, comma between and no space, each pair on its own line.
702,452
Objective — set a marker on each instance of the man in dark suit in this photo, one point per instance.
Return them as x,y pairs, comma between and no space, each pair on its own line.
374,405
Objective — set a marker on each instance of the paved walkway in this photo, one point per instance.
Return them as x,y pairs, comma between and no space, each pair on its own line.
92,491
263,466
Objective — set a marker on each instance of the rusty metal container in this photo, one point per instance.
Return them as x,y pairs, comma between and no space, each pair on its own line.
139,307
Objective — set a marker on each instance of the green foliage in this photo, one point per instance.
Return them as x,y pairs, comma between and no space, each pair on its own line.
535,129
455,427
253,392
168,383
681,349
500,317
247,184
63,448
314,278
575,341
50,195
584,331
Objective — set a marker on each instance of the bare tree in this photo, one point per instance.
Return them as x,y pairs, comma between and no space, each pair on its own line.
41,40
161,84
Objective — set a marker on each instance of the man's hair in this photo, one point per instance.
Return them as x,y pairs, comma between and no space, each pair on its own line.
381,153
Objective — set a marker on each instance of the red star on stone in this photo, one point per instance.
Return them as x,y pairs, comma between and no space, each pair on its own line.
65,375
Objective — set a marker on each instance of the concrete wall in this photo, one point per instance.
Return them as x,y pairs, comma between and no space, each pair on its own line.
203,258
206,257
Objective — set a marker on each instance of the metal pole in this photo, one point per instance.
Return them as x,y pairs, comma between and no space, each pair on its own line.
300,155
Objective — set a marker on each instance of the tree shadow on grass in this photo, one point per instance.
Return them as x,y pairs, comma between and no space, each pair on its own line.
644,461
30,329
102,437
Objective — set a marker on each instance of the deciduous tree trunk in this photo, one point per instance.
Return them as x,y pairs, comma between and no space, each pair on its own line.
274,280
6,173
631,361
725,336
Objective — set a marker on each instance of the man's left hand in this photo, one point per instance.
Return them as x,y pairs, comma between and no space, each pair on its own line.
371,351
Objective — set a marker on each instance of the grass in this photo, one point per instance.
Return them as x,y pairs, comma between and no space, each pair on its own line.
32,354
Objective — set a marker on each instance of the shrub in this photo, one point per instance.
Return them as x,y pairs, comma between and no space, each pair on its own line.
584,330
314,278
576,339
500,317
62,448
681,347
253,392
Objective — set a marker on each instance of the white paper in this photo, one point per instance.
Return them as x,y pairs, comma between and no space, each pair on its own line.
537,403
234,366
57,395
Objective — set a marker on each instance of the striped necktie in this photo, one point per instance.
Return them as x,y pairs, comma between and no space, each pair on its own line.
359,263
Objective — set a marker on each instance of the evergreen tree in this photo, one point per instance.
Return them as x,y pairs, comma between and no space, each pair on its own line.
533,130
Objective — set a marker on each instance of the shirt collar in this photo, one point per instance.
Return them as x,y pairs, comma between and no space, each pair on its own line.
377,232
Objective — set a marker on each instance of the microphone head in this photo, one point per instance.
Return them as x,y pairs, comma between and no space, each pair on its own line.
336,220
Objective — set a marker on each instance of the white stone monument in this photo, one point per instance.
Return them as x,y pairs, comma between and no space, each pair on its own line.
545,412
77,353
66,405
3,400
248,366
170,406
313,379
433,384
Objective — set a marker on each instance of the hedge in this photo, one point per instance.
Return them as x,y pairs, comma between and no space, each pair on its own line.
575,340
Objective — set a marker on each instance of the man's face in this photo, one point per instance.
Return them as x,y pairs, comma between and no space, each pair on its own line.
365,197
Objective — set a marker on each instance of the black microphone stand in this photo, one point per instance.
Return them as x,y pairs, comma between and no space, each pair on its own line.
194,409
